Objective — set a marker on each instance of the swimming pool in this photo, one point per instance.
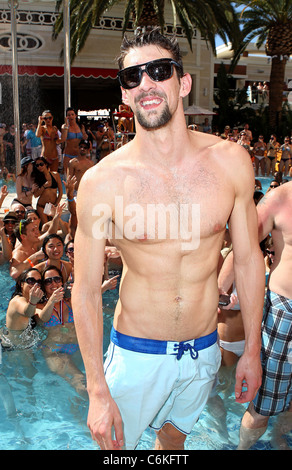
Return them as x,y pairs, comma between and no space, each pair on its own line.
41,411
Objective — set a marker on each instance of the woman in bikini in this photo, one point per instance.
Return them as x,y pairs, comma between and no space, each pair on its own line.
258,152
56,316
72,134
24,183
48,187
53,248
50,139
285,161
18,332
272,149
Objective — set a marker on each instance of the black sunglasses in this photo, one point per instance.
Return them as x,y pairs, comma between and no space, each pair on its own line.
158,70
50,280
48,117
31,281
39,164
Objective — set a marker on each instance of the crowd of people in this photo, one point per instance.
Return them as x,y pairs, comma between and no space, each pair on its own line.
60,146
267,157
38,243
37,233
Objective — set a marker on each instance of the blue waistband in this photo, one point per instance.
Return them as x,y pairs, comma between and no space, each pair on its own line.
153,346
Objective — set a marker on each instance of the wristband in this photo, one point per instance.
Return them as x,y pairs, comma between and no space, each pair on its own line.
30,262
32,303
70,200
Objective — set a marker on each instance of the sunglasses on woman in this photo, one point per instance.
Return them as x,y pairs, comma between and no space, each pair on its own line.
7,222
31,281
50,280
39,164
158,70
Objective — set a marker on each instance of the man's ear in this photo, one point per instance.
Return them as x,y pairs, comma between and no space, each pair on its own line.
186,85
124,96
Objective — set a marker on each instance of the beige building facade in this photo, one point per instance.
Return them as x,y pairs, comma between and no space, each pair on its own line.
254,66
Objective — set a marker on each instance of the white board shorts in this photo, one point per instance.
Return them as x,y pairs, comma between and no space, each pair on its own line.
157,382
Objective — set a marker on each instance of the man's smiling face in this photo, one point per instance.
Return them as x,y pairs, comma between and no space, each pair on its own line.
153,103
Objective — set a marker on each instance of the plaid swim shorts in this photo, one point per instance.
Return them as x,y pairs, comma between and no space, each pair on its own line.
275,392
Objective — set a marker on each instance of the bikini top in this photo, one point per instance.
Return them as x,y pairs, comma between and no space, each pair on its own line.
74,135
57,318
47,136
54,184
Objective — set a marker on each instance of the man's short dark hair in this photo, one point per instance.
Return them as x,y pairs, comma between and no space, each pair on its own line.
21,228
85,143
149,37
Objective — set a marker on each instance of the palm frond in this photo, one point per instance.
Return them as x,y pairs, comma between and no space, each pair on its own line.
211,17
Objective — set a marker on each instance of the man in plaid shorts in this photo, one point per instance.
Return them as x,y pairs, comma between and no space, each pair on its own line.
274,397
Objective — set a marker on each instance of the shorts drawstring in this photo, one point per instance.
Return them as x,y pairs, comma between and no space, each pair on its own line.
183,347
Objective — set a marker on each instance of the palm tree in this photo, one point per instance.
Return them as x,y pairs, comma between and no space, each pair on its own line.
211,17
269,22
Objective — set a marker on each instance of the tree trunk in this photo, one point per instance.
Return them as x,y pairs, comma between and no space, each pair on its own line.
149,15
277,78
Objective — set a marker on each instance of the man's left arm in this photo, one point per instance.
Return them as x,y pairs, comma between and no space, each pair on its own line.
250,282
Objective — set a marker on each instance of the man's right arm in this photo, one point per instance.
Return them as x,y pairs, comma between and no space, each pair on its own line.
89,248
20,262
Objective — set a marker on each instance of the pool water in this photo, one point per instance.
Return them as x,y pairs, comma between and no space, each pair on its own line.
41,411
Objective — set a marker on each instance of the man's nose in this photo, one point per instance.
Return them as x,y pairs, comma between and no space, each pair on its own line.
146,81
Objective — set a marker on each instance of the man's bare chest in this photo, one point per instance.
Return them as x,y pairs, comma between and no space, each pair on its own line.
187,206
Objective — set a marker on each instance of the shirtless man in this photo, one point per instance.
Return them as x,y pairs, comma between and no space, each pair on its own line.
275,394
78,166
168,293
28,252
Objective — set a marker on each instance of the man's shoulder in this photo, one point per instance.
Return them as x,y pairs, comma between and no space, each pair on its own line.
277,199
110,165
19,254
224,148
102,180
73,161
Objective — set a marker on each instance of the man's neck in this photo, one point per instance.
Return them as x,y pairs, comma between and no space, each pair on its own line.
164,145
28,246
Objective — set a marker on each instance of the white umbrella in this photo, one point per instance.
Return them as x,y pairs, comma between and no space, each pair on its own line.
197,111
